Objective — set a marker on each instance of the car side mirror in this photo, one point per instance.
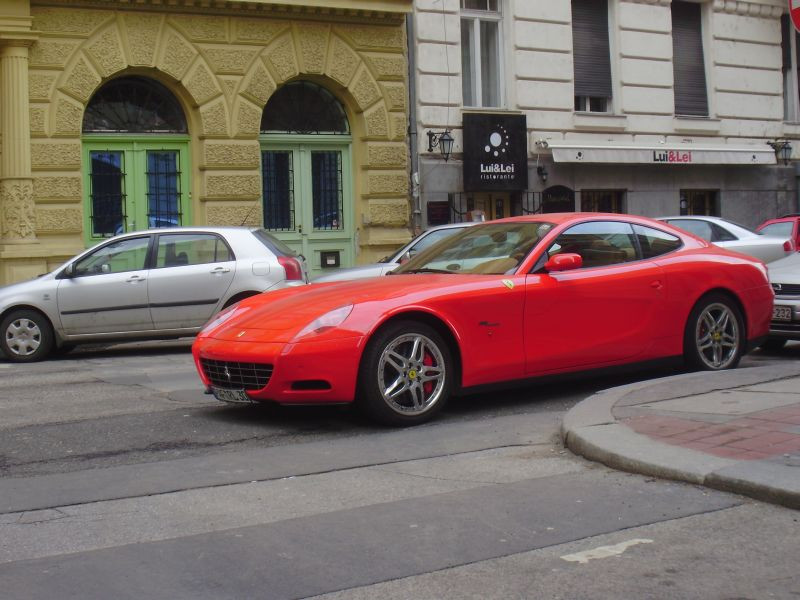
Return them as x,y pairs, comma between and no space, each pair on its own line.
406,257
105,268
563,262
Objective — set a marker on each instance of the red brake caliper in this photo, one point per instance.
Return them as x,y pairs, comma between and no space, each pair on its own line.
427,360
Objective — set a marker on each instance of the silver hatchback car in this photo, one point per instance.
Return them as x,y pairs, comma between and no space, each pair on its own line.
160,283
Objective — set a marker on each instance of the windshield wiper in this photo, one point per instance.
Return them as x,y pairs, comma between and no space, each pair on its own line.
423,270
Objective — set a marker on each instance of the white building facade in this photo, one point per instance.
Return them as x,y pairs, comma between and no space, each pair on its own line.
652,107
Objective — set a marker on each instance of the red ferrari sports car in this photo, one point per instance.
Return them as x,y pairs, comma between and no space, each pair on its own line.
501,302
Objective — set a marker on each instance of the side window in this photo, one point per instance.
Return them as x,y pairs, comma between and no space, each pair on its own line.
722,235
698,228
118,257
654,242
190,249
599,243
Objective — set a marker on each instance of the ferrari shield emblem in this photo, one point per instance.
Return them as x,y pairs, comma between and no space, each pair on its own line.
508,283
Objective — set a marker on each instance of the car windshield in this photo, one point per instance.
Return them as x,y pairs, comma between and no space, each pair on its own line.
493,248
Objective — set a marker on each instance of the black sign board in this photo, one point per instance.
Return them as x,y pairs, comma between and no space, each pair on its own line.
495,152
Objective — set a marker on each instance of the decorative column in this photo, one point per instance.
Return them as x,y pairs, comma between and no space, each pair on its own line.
17,218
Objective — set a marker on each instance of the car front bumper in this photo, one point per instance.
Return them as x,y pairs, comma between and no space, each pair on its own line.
787,330
316,372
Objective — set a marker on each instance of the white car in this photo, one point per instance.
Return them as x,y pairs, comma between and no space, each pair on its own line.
390,263
159,283
732,236
784,275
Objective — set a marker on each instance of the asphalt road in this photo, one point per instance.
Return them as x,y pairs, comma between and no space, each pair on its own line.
120,478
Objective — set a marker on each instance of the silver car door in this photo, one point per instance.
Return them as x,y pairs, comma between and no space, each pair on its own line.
107,292
191,274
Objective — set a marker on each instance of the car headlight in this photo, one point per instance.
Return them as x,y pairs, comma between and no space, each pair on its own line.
329,320
223,316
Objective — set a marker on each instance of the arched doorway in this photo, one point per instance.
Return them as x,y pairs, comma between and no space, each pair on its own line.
558,198
306,174
136,159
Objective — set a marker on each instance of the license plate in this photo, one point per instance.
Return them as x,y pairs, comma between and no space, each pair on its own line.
226,395
781,313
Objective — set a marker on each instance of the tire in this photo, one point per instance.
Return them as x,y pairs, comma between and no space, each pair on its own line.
406,374
773,344
27,336
714,338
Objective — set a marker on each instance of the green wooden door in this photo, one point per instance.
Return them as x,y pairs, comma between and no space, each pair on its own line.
131,185
307,198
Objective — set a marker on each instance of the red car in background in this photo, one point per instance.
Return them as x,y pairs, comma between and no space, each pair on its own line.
500,302
787,226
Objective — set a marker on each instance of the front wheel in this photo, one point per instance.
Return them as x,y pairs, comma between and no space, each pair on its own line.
27,336
714,336
406,375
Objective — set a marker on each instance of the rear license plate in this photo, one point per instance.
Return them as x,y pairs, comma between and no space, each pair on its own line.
781,313
226,395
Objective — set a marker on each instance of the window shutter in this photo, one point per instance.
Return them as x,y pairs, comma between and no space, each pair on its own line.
688,64
590,48
786,46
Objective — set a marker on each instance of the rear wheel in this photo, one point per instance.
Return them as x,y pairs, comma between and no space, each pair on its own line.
406,374
714,336
27,336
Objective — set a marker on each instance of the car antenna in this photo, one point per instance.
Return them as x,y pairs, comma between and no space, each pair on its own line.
249,212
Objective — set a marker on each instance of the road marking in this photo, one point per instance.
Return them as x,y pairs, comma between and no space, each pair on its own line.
603,551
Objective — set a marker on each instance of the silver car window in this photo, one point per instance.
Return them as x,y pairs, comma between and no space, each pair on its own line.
129,254
190,249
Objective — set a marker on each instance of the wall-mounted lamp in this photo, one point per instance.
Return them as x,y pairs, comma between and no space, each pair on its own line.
783,150
542,172
443,140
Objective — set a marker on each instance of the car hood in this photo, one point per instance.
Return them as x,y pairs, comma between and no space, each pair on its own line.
278,316
785,270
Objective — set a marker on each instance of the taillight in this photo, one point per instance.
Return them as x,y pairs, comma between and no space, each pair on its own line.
294,271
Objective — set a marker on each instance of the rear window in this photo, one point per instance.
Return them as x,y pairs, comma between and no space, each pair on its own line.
778,229
655,242
275,245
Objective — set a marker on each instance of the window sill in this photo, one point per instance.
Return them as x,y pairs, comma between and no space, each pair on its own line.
695,125
592,121
791,128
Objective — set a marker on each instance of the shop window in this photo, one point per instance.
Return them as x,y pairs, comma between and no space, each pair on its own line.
611,201
481,67
790,42
136,158
699,202
688,62
591,55
558,199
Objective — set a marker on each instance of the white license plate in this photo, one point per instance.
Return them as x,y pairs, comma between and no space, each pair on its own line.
226,395
781,313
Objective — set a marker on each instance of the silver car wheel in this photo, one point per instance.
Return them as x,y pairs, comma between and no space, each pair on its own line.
411,374
717,336
23,337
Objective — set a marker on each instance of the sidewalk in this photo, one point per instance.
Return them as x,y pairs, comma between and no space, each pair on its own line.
737,431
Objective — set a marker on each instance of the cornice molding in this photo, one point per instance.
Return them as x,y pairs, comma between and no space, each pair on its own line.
770,9
382,11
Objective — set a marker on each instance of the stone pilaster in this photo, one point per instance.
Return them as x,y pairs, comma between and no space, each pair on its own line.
17,218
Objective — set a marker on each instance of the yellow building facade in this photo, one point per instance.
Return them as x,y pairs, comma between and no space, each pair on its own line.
220,63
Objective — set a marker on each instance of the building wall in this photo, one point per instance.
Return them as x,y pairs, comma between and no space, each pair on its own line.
222,63
742,47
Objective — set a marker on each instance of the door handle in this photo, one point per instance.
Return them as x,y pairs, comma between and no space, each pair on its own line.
656,285
134,279
220,270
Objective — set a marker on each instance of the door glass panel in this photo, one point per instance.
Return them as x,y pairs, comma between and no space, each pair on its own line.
490,64
107,193
277,176
163,189
326,189
117,257
190,249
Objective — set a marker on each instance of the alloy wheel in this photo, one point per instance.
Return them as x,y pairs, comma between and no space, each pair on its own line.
717,336
411,374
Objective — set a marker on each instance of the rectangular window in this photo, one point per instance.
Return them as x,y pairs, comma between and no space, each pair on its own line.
278,190
790,41
480,53
689,69
107,192
326,189
699,202
611,201
163,189
591,55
